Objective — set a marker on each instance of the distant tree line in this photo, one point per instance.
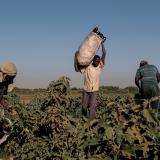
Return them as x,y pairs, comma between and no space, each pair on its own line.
105,89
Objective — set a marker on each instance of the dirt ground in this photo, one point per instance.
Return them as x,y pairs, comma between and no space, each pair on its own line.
25,99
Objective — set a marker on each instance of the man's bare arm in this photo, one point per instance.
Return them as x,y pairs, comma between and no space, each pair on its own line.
76,66
103,54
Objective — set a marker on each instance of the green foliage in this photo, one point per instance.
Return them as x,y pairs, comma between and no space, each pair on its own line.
51,127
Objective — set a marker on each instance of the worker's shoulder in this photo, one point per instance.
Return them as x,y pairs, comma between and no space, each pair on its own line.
148,66
152,66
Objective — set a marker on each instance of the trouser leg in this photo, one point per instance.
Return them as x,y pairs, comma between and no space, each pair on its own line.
152,90
93,105
85,103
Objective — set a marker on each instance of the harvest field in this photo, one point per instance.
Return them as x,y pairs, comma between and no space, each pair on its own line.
48,125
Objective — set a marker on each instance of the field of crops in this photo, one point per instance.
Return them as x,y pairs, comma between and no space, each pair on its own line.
51,127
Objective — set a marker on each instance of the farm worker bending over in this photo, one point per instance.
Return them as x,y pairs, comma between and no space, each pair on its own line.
147,79
8,72
91,82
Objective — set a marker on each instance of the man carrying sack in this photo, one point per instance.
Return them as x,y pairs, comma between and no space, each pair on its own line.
91,74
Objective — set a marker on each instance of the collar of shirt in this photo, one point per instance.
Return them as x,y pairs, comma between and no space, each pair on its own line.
91,78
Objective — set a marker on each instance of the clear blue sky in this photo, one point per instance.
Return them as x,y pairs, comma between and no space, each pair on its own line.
41,37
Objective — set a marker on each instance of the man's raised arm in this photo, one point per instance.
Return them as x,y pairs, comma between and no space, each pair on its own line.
76,67
103,54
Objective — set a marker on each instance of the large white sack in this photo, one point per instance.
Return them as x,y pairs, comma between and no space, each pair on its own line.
89,48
